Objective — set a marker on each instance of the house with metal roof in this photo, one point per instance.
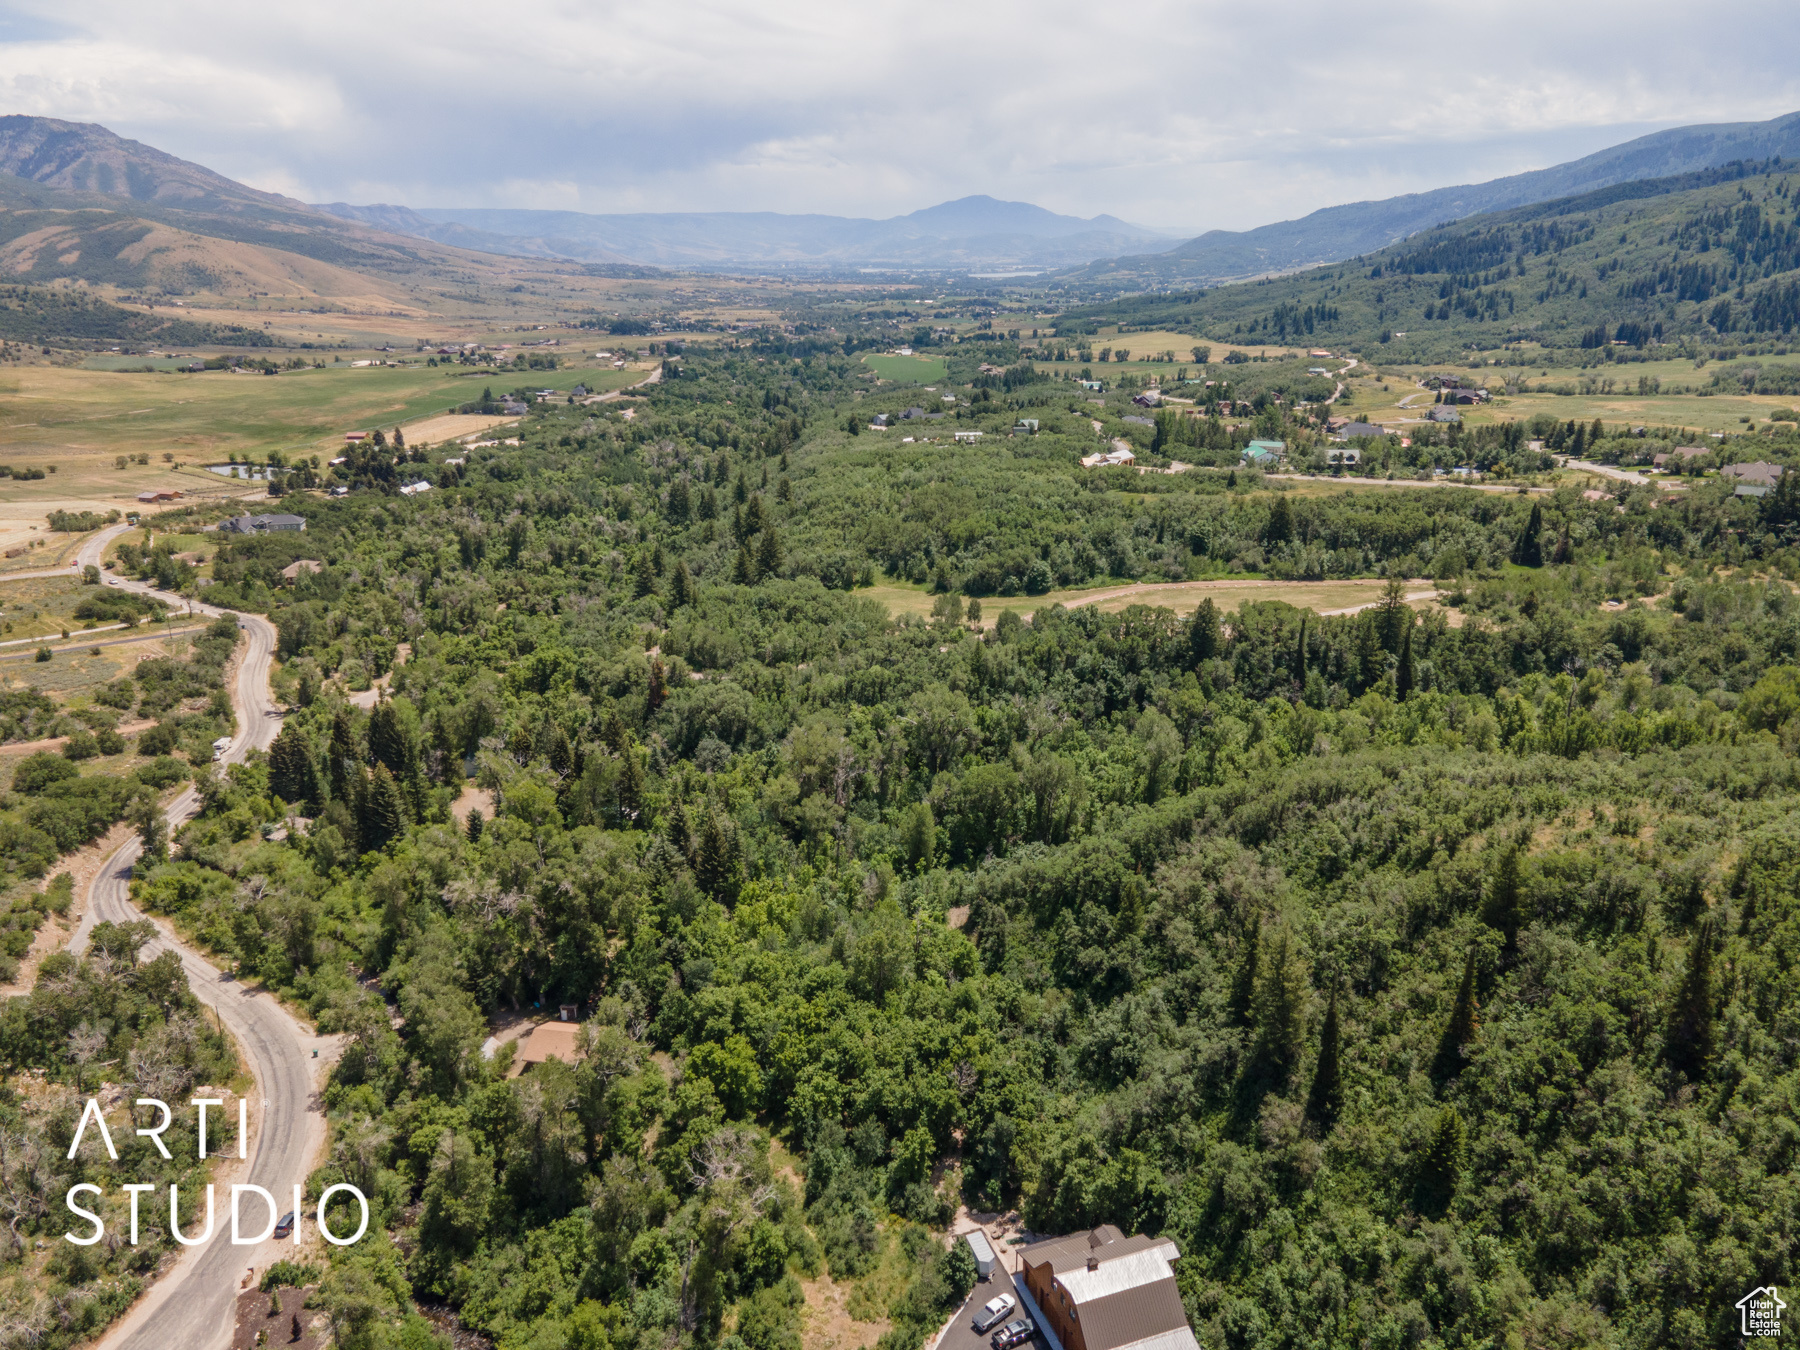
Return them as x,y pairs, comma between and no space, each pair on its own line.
1101,1290
1264,452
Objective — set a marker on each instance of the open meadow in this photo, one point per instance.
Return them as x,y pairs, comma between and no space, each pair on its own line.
906,369
1183,597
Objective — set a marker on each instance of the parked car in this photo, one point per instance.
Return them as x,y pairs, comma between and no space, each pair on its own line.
994,1310
286,1227
1013,1333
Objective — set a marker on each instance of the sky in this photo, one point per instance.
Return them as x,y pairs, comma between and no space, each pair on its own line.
1181,116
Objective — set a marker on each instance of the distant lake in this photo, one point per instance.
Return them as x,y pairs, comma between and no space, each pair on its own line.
236,471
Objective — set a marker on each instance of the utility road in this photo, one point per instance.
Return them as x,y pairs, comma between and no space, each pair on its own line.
193,1306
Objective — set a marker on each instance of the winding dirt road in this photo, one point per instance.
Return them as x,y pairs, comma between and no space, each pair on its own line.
193,1306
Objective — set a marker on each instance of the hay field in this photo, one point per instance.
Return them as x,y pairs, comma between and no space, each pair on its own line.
906,369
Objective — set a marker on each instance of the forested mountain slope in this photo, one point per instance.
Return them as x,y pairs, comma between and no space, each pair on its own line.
1704,255
1339,232
1429,981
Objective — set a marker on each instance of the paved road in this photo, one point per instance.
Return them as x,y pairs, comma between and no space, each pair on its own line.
194,1306
1606,471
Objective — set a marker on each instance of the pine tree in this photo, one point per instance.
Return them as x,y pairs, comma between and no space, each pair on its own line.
1692,1037
743,571
1528,549
768,555
388,742
1596,433
344,755
1461,1028
1300,652
681,589
1281,998
1203,633
712,855
472,827
1326,1098
643,577
680,833
1242,1006
1440,1167
292,776
1505,907
1371,661
658,690
384,817
1405,675
1281,522
681,501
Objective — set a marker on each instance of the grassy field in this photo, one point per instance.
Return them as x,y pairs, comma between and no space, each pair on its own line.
906,369
1182,596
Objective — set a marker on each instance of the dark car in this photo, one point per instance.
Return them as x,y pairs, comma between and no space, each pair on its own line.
286,1227
1013,1333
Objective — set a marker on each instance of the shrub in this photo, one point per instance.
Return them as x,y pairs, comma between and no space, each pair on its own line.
39,771
84,745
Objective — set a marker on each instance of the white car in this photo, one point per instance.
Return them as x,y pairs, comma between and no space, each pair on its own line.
994,1310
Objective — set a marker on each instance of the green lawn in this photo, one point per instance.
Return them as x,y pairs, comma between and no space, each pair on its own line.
906,369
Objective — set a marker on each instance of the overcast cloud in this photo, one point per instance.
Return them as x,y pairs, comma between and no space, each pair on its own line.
1184,116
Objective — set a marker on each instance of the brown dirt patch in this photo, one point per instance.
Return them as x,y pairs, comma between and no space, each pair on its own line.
253,1316
470,799
825,1321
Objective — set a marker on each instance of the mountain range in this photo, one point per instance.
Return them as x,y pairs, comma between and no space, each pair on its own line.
973,232
1339,232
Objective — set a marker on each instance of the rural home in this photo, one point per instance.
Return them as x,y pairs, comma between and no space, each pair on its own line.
1757,473
1102,1290
1108,459
262,524
1264,452
968,437
1442,414
1148,399
1465,396
1679,456
164,495
1025,426
548,1040
1352,430
1343,454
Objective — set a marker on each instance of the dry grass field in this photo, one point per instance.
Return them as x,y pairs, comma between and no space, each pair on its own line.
1184,597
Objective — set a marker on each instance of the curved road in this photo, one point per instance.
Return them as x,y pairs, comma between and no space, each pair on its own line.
193,1306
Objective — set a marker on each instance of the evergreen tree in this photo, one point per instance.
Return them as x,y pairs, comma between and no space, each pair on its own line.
1405,675
1281,522
631,786
712,855
1300,652
1203,633
1326,1098
472,827
1692,1036
384,818
1528,551
680,833
344,755
1564,552
388,741
681,501
1596,433
658,690
1371,661
1242,1006
768,555
1461,1028
681,589
1440,1167
1392,614
1281,996
743,571
292,776
643,577
1505,907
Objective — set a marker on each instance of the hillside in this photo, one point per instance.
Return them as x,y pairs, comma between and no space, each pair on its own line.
1339,232
1708,255
42,314
970,232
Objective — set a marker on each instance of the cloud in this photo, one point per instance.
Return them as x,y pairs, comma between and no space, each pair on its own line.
1183,115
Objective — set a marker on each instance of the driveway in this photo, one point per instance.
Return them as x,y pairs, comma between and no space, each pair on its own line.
962,1335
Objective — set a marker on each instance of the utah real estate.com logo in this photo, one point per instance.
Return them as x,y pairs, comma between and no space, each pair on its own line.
1761,1311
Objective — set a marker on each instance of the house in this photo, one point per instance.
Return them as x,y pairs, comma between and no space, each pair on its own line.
1108,459
1101,1290
879,422
262,524
414,489
1352,430
513,408
165,495
1343,454
1140,421
579,391
352,437
1025,426
1315,370
1318,351
1438,413
1757,473
548,1040
968,437
1097,386
1264,452
340,491
911,413
1679,456
1465,396
1148,399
